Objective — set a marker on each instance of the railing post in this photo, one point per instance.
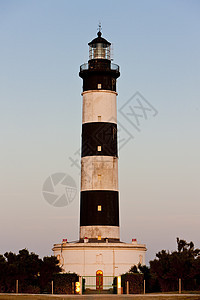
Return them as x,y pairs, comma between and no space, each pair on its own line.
17,286
52,287
127,287
179,286
144,286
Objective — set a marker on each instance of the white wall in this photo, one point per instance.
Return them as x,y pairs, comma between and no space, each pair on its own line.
93,231
113,260
99,173
99,103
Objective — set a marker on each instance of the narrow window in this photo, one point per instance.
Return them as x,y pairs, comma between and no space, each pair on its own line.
99,207
99,177
99,86
99,118
99,237
98,148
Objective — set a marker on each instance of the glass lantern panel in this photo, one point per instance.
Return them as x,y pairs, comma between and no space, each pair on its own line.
99,51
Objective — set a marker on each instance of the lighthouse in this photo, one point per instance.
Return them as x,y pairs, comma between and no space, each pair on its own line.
99,250
99,199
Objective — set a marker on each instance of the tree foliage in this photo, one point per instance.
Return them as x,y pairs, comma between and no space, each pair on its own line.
167,268
184,264
35,274
32,273
135,282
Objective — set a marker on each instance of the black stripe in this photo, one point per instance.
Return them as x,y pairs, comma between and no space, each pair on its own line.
99,71
109,214
99,134
91,81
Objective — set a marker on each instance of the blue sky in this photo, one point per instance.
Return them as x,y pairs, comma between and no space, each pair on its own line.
156,44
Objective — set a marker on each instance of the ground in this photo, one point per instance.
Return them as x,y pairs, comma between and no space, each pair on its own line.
102,297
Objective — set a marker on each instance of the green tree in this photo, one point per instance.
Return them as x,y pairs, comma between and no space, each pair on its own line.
133,269
10,275
2,272
28,267
169,267
32,272
151,283
49,267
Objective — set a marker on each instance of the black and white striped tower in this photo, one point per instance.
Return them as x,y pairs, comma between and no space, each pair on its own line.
99,201
99,204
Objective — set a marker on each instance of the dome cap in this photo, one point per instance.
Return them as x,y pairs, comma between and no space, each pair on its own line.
99,40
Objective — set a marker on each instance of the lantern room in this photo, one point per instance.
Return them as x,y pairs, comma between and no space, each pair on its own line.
99,48
99,73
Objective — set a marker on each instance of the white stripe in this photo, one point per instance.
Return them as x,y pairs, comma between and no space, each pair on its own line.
99,173
104,231
99,106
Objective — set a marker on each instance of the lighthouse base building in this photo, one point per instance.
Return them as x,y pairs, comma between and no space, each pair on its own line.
113,259
99,249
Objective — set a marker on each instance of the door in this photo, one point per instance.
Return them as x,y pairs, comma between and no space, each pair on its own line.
99,280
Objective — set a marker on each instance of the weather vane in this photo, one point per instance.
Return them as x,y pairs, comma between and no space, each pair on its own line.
99,28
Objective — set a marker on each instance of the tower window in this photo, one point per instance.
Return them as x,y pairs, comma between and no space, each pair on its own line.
99,118
99,86
99,207
99,238
98,148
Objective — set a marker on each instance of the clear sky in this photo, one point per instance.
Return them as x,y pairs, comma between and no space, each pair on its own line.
42,45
